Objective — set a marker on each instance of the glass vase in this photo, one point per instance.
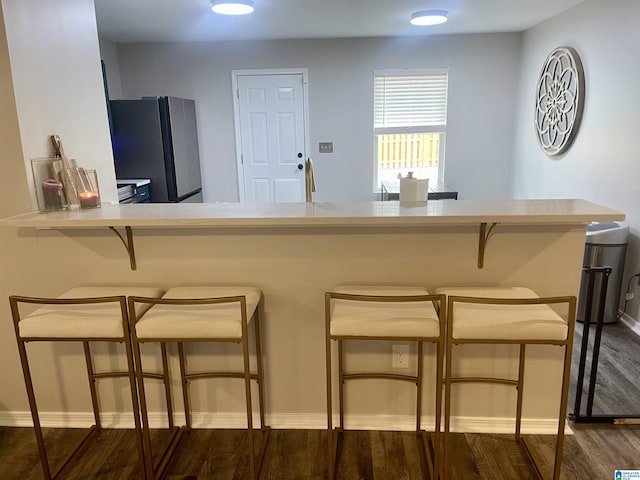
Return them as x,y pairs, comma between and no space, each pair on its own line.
86,186
48,183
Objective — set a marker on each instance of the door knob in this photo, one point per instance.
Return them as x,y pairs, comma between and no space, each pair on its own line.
300,166
299,155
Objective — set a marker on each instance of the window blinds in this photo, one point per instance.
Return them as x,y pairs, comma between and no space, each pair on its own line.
410,101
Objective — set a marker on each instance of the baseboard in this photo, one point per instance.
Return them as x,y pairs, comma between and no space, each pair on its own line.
293,421
632,323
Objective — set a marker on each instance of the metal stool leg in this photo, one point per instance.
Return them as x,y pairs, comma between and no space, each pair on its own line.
136,408
563,408
185,385
330,443
437,443
419,385
34,410
447,412
92,384
341,384
520,388
146,435
167,383
259,366
247,385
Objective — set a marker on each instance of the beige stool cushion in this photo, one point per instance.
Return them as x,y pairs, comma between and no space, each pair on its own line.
98,320
198,321
503,322
379,319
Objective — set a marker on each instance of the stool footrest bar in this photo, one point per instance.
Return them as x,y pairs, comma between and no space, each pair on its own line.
110,375
157,376
504,381
387,376
194,376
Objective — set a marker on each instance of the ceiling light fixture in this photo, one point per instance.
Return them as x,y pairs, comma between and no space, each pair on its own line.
429,17
232,7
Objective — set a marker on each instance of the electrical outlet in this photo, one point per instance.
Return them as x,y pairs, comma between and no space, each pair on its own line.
629,296
400,356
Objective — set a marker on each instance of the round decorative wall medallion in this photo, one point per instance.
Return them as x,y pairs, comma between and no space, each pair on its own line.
559,100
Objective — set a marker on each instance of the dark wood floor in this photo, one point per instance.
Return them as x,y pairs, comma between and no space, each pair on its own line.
594,452
617,387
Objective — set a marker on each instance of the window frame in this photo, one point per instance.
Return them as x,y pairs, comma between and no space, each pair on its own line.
441,129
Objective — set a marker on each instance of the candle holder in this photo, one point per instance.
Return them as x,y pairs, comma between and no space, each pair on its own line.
48,183
86,185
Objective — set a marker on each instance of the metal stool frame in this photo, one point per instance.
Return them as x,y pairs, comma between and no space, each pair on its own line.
431,446
255,462
15,302
567,343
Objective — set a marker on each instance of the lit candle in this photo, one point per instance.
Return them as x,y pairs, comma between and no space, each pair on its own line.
88,199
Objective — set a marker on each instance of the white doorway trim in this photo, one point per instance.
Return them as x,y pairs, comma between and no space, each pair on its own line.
236,112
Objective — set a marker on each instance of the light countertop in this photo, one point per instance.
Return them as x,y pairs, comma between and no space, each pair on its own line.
441,212
136,182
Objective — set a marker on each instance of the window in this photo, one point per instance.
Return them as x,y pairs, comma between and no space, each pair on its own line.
410,119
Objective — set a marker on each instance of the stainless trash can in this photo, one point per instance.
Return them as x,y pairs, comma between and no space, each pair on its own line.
606,246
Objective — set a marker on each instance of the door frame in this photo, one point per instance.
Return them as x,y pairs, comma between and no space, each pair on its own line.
236,111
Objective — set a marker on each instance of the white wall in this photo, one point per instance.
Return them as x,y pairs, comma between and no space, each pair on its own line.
55,62
50,82
603,164
483,72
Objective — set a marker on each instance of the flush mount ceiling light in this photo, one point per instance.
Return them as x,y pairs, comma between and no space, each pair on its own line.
232,7
429,17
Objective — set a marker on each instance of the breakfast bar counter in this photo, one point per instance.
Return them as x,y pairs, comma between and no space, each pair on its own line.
322,214
295,253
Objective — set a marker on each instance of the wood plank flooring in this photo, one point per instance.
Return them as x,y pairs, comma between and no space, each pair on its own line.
594,452
617,387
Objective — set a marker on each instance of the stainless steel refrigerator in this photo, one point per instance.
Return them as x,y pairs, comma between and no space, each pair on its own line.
156,138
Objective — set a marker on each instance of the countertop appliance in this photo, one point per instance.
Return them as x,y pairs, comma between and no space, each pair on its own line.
134,190
156,138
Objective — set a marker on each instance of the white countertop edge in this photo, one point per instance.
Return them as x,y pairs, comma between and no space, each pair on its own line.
432,213
138,182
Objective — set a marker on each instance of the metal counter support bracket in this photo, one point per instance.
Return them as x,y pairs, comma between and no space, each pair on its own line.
128,244
482,241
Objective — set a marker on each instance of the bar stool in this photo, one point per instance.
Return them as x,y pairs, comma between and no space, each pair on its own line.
507,316
82,314
384,313
201,314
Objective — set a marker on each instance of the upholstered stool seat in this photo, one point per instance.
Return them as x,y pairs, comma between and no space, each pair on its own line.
383,319
192,321
83,320
201,314
504,322
508,316
84,314
356,312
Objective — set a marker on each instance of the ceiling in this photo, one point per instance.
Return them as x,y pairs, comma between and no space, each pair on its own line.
124,21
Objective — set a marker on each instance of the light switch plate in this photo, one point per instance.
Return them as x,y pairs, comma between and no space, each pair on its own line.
326,147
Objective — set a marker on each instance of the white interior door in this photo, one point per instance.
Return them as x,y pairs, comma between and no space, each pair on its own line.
271,118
